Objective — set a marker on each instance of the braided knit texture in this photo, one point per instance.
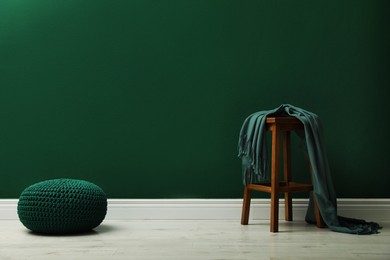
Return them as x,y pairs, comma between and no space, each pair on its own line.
62,206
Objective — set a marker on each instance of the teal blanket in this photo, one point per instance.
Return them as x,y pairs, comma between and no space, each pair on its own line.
252,149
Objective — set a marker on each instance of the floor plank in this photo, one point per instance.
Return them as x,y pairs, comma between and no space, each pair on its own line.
193,240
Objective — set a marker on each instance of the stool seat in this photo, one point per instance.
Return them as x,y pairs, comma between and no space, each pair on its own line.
280,127
285,123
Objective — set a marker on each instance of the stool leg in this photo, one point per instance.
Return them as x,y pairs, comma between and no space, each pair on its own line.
274,212
287,176
319,221
275,156
246,204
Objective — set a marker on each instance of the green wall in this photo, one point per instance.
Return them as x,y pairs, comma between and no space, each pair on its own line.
146,97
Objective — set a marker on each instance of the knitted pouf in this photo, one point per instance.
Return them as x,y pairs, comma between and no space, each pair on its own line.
62,206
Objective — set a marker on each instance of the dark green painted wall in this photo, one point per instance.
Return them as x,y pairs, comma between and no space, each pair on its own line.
146,97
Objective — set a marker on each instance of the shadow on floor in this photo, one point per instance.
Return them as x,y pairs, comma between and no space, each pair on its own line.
103,228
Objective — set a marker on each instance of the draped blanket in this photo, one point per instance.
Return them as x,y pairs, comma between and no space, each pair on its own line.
252,149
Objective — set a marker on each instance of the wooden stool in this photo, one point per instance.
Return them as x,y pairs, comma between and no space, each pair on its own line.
279,126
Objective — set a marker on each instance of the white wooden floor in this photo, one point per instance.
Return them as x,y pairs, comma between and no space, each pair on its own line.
155,239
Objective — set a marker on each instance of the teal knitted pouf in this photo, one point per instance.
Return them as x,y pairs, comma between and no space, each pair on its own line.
62,206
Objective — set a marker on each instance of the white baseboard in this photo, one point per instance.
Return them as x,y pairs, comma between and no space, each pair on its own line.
217,209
